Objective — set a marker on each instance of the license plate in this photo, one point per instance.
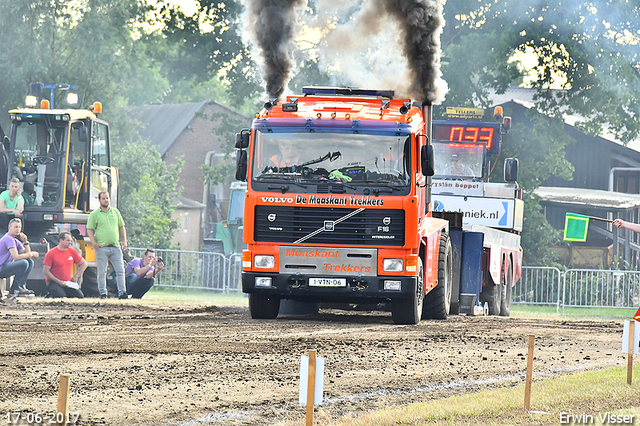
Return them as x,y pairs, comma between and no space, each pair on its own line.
327,282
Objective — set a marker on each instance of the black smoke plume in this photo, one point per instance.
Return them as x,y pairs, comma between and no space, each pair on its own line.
273,24
421,23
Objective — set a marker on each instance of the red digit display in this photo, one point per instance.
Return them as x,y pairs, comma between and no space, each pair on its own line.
466,134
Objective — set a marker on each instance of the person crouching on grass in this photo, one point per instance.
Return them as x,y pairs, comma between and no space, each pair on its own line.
58,264
140,273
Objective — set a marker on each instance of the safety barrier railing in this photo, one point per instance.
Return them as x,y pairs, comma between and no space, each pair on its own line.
593,288
601,288
197,270
539,285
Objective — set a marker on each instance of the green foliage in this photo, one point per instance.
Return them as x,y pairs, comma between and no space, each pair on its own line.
147,197
225,125
590,48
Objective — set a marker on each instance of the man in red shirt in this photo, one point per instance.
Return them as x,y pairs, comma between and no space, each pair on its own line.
58,264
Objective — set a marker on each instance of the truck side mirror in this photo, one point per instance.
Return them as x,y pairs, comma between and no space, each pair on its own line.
241,165
83,135
426,160
242,140
510,169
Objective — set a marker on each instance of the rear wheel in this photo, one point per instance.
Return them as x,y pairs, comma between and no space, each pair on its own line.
407,311
507,281
264,306
437,303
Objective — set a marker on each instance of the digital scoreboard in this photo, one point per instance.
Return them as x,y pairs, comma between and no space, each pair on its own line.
477,133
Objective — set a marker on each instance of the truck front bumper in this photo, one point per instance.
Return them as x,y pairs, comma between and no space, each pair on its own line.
358,289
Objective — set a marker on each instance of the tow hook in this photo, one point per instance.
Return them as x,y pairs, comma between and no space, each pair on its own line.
296,281
359,283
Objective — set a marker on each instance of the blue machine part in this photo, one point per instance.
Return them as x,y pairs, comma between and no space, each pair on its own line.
471,270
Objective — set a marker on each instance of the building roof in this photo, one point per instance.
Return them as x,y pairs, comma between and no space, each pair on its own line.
182,202
164,123
594,198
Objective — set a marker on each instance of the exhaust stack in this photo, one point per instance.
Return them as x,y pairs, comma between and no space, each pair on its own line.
427,116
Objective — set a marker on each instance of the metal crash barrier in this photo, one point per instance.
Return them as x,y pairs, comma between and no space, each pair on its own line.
593,288
198,270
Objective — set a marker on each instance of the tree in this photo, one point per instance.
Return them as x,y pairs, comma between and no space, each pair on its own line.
147,195
226,125
588,48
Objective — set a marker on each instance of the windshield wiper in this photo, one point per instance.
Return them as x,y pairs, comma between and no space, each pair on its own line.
285,188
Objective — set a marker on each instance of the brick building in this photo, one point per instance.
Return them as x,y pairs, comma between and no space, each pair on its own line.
192,131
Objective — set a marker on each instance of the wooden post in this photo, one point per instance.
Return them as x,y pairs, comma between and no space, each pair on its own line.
527,387
311,387
632,345
63,399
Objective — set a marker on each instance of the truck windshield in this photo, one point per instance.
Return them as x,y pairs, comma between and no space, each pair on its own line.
332,157
39,160
458,161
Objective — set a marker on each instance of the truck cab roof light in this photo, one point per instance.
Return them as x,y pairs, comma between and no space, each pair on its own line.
497,113
506,124
346,91
44,104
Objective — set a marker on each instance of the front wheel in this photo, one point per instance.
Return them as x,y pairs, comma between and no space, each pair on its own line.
407,311
264,306
437,303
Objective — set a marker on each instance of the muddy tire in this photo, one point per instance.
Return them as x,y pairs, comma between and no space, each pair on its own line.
263,306
437,303
506,279
408,311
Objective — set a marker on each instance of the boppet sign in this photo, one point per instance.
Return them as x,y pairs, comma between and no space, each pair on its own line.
491,212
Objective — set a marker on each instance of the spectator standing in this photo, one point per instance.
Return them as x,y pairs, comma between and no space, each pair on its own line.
11,203
141,272
16,258
105,229
58,264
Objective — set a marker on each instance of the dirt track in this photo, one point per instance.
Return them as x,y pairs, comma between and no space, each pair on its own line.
139,363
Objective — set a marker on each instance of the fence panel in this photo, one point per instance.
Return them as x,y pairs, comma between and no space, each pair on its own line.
601,288
539,285
194,269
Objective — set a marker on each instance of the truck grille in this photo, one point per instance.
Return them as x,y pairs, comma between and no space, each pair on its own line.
370,227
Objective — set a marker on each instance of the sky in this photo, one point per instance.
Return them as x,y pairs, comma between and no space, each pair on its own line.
188,6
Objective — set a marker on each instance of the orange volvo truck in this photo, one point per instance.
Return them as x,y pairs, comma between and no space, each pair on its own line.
338,206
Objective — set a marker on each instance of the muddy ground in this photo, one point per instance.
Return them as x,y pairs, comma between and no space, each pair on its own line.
145,363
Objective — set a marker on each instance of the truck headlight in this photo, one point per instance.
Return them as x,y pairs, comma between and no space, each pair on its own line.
392,265
263,261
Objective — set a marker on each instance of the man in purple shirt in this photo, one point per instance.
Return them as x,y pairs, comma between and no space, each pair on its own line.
16,258
140,273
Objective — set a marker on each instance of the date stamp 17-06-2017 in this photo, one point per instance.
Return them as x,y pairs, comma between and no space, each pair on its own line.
36,418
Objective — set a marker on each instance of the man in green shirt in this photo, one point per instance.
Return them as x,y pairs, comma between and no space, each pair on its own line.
105,229
11,203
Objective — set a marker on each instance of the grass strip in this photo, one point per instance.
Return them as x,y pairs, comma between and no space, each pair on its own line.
588,397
